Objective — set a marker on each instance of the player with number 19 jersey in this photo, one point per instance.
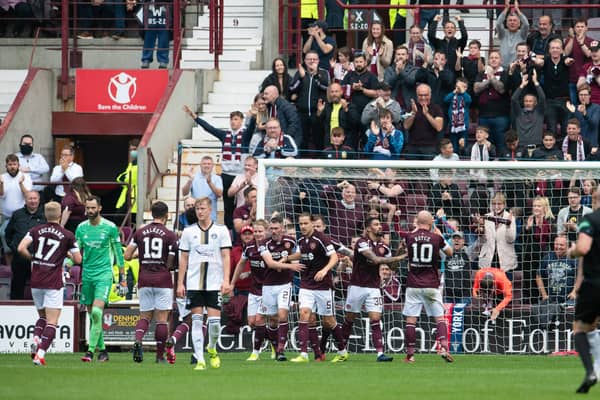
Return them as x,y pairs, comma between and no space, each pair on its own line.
50,243
155,243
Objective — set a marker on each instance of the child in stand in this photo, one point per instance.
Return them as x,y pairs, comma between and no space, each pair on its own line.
338,150
458,102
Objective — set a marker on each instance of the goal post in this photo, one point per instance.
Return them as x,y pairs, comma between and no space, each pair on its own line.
515,216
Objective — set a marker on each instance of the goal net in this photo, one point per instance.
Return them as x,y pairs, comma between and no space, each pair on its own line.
518,217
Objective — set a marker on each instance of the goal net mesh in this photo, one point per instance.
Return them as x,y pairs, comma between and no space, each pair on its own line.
518,217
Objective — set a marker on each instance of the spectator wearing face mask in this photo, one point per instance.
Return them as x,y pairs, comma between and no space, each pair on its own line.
32,163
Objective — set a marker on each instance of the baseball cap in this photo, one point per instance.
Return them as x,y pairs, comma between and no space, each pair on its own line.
247,228
459,234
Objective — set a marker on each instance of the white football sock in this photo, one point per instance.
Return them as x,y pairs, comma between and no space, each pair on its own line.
214,329
594,340
198,336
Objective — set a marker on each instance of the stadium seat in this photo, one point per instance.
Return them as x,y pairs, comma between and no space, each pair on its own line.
125,232
414,204
5,277
594,28
73,284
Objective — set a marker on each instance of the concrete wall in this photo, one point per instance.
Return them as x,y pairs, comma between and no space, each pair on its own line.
270,48
172,125
34,116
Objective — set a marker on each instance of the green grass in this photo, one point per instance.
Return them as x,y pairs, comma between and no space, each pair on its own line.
470,377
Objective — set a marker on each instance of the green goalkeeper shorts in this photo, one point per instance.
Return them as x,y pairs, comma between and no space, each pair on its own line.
95,290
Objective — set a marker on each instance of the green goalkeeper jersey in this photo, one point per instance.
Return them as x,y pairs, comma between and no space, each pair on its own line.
100,245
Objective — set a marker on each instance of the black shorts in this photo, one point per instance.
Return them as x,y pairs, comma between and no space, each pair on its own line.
203,298
587,306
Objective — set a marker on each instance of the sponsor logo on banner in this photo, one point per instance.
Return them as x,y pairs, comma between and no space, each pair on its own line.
139,91
456,327
18,322
119,325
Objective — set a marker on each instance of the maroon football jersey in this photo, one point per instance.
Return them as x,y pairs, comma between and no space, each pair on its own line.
49,245
278,250
257,267
154,243
315,251
364,272
424,259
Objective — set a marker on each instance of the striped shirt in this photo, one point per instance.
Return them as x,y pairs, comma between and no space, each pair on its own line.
205,263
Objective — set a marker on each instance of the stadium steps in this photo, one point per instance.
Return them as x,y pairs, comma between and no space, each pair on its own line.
242,38
232,91
11,81
477,25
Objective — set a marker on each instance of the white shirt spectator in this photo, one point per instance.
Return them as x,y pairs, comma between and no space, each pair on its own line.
73,171
13,197
35,165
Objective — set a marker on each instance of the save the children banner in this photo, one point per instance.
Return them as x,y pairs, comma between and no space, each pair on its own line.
118,90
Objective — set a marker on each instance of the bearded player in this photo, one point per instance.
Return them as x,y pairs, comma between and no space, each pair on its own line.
423,283
277,285
155,245
252,237
318,222
99,240
50,243
318,255
365,284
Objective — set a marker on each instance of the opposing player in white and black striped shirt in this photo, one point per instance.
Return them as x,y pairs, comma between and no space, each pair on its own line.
204,251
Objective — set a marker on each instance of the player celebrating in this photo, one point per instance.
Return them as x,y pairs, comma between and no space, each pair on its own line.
423,283
587,305
277,285
365,284
204,251
318,222
51,243
251,238
99,241
155,245
319,256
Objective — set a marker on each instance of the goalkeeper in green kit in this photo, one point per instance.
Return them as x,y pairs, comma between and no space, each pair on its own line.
100,244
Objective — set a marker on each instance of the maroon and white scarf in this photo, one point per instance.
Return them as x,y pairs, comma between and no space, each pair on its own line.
277,153
412,54
232,151
374,59
580,149
458,114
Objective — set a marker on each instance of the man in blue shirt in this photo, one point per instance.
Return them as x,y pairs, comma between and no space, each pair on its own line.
205,184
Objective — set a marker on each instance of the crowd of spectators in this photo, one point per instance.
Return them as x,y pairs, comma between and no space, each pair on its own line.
436,97
438,85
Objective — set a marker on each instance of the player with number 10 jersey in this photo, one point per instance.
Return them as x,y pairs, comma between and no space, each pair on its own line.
422,283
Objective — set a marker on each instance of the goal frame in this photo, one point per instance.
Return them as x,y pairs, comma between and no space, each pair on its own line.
263,164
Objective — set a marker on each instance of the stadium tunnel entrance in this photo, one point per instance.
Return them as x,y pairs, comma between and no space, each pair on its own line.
101,143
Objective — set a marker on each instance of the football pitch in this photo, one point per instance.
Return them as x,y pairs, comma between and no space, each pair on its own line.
470,377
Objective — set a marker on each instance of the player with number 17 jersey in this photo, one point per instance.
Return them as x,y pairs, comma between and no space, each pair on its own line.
50,243
154,243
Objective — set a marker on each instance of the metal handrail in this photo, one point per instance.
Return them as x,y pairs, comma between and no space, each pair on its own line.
152,167
127,214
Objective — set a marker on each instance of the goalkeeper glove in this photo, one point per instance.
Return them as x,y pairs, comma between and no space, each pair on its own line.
122,288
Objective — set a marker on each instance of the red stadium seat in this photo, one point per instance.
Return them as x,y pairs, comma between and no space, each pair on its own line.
5,277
